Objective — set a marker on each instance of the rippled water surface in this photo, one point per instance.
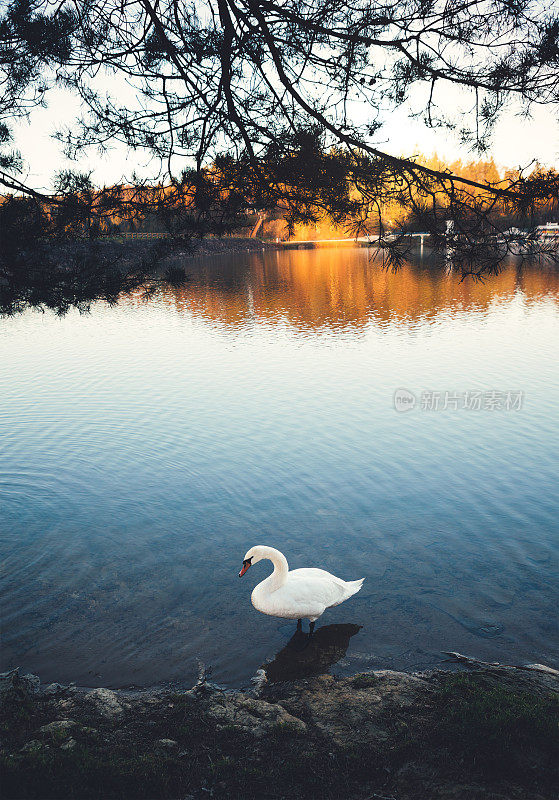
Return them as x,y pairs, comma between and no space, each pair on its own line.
145,447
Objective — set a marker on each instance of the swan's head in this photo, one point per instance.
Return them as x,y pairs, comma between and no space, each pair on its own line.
254,555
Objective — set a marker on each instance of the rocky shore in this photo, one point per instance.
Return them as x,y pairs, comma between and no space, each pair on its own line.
488,731
173,249
229,244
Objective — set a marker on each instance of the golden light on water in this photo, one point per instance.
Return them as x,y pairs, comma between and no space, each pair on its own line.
334,288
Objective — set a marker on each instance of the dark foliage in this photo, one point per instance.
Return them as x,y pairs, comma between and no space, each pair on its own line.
498,732
47,268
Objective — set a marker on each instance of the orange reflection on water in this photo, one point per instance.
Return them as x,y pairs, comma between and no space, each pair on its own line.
341,288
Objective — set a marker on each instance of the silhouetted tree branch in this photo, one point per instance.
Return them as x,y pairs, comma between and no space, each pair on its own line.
263,103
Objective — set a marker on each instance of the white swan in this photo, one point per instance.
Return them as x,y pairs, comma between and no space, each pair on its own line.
296,594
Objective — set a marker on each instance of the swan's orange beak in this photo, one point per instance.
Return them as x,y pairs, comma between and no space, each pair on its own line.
246,565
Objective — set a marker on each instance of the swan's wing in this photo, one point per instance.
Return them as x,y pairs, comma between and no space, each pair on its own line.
306,593
316,585
297,598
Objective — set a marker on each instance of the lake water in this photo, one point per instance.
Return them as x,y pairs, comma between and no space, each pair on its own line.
145,447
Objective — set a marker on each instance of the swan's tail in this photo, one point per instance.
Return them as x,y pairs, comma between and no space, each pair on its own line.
348,588
353,587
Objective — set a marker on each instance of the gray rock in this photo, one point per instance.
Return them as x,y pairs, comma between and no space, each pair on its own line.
6,682
254,716
54,689
31,683
13,681
167,743
59,726
69,745
34,746
259,679
350,714
106,701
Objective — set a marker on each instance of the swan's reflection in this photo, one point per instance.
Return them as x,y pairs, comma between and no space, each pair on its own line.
306,655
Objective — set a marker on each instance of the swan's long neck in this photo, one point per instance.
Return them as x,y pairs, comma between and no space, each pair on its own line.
281,568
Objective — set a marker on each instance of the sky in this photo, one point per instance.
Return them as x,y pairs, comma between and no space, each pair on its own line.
516,143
